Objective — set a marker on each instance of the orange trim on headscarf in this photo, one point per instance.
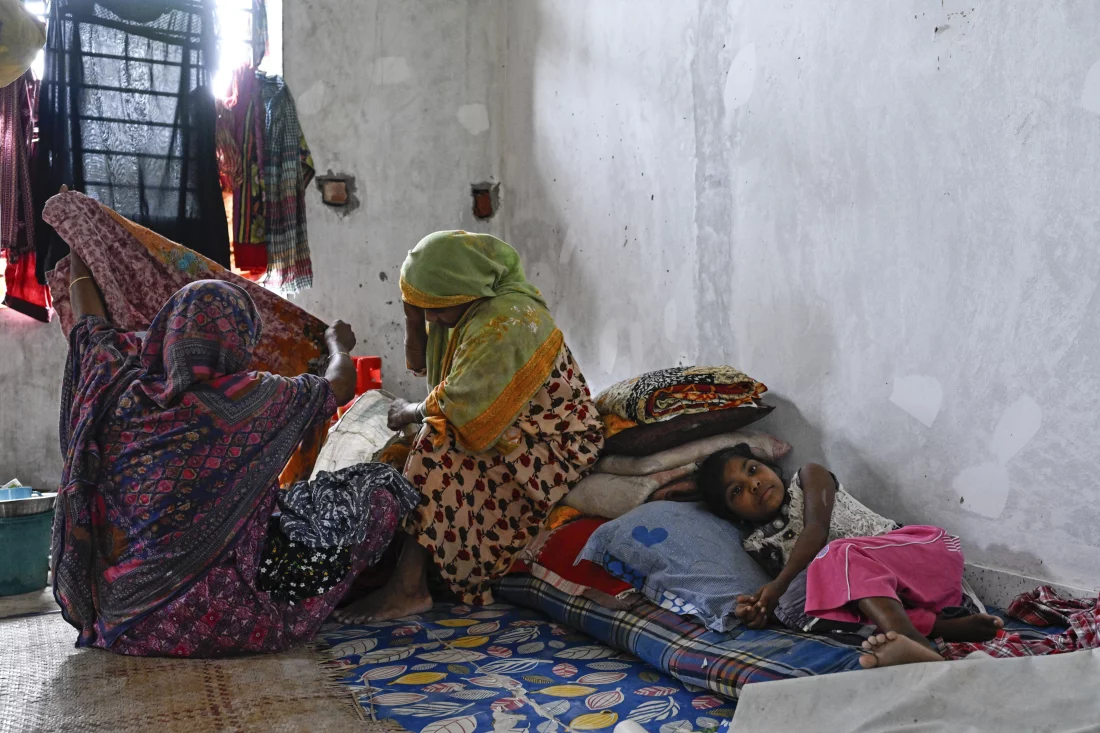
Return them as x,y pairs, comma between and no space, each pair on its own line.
420,299
483,432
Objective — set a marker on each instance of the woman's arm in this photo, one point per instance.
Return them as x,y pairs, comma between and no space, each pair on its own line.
83,293
818,493
341,369
416,340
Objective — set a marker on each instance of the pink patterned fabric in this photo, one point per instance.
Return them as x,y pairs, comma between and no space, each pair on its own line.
224,613
137,272
172,455
170,446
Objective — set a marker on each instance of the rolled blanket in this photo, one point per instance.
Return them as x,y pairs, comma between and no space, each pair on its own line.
605,495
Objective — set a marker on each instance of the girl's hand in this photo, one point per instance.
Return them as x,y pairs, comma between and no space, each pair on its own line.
401,413
758,609
746,609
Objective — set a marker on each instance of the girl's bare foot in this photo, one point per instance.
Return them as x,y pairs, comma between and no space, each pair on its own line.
385,604
976,627
892,648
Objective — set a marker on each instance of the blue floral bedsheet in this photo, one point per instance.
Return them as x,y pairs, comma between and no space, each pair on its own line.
460,670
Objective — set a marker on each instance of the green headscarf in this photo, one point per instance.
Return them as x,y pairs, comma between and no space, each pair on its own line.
485,370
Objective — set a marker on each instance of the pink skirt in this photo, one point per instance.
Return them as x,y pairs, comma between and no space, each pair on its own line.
919,566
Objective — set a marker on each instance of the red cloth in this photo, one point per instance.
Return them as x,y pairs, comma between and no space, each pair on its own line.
1041,607
24,293
1045,607
559,556
919,566
250,258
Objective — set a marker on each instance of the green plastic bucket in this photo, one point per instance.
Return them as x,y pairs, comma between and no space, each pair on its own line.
24,553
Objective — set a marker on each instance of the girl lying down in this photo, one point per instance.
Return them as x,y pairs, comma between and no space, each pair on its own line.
833,558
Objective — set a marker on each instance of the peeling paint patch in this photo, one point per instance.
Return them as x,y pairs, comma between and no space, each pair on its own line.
983,489
312,100
920,396
567,246
474,117
1018,425
389,70
671,321
609,346
1090,93
741,78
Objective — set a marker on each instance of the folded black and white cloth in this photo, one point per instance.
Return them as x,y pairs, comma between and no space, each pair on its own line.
333,509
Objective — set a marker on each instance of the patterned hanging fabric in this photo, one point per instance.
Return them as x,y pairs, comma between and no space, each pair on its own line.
24,293
17,105
287,170
241,120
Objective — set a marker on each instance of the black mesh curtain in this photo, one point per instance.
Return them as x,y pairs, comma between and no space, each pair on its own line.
126,115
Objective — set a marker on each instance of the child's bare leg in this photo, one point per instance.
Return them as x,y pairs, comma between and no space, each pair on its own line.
891,649
889,615
976,627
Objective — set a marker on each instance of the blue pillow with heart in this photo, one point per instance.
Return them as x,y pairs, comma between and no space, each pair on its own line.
681,557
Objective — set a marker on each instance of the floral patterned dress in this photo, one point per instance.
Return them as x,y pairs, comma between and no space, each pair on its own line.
479,511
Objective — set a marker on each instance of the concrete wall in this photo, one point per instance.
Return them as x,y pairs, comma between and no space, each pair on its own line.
402,95
32,358
885,211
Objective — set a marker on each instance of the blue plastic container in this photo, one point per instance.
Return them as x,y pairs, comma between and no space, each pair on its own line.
24,553
15,492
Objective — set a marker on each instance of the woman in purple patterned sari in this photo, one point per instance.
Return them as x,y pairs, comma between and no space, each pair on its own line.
164,539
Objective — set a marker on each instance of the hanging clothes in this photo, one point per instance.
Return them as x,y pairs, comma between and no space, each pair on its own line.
17,105
241,120
288,169
127,116
24,293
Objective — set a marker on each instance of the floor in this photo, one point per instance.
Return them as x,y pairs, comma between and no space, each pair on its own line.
47,684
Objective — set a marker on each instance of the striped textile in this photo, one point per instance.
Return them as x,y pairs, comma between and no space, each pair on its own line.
288,169
18,103
1076,622
722,663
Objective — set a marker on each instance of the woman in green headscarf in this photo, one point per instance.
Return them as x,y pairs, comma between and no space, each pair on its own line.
509,423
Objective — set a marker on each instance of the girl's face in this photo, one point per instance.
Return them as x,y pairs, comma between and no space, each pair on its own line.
753,491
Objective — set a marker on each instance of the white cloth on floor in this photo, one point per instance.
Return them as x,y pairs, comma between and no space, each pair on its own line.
1053,693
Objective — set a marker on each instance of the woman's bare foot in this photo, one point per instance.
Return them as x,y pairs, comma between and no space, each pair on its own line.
406,594
892,648
385,604
976,627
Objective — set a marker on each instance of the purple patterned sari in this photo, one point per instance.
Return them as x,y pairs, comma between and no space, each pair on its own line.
173,453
